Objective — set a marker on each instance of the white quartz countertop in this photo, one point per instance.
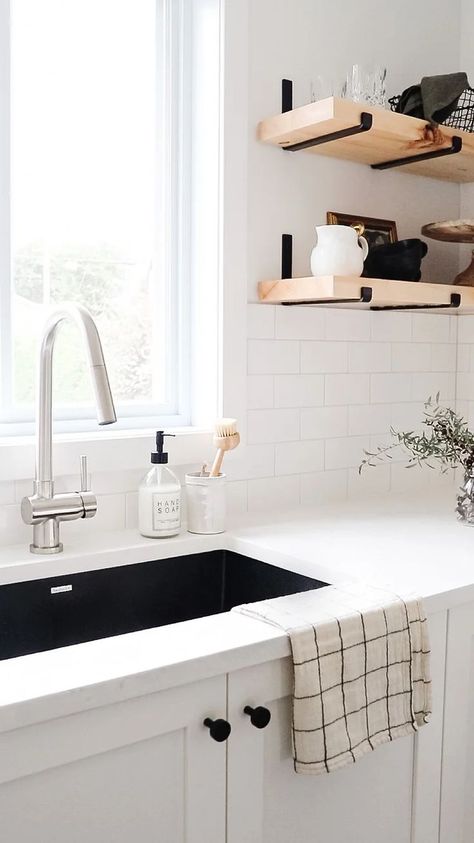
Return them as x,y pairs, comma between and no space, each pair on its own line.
405,544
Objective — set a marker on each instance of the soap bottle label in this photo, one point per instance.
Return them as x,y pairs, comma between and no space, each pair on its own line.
166,511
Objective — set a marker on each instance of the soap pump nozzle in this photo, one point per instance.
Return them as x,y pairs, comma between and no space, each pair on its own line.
159,456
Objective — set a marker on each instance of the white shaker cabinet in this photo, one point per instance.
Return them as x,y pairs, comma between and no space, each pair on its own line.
376,799
144,770
457,791
148,770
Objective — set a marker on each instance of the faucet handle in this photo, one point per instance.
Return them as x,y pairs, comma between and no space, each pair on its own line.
83,470
89,500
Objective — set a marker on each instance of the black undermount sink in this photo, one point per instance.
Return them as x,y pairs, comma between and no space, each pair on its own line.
59,611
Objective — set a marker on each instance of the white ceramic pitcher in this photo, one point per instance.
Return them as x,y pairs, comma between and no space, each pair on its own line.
339,250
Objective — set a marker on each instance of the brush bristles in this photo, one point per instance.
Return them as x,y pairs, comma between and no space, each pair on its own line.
225,427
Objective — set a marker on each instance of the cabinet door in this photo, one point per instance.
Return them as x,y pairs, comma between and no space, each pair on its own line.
457,801
369,801
142,770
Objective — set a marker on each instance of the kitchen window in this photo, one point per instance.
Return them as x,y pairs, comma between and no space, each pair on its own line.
101,177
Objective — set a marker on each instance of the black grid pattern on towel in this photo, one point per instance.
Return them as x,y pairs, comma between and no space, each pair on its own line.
325,723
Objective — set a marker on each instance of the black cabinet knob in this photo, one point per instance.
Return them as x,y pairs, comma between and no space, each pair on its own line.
219,729
259,716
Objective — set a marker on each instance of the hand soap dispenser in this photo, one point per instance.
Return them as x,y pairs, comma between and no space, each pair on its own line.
159,497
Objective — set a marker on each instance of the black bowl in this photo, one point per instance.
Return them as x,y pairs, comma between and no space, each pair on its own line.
399,261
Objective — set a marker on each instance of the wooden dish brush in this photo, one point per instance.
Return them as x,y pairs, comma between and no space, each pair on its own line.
226,438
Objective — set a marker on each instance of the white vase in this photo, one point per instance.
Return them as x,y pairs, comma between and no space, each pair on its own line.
339,250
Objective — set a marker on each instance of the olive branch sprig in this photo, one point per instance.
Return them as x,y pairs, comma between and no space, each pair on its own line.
446,440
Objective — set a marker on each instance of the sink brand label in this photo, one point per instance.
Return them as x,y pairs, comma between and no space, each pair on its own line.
166,511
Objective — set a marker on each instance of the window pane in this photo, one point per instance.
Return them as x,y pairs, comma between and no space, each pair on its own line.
84,174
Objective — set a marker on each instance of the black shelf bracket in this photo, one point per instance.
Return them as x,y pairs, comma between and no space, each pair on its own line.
366,121
286,256
455,301
286,95
364,298
365,124
456,146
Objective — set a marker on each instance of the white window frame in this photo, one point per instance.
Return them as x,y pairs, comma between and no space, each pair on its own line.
226,294
174,21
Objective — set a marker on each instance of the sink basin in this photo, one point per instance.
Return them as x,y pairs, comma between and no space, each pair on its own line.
60,611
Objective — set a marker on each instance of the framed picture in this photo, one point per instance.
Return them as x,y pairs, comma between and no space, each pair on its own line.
376,232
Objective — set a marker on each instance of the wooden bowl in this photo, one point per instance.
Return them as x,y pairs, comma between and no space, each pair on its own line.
451,231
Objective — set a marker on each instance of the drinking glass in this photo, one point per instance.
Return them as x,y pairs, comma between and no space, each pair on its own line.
366,85
323,87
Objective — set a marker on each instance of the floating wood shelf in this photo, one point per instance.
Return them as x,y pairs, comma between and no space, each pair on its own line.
348,291
389,138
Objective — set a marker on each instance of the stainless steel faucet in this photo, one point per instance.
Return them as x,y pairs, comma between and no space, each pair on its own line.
44,510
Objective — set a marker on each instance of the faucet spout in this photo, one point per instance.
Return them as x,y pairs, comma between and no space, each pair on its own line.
100,383
44,510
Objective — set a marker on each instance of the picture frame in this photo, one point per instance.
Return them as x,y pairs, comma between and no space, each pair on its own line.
377,232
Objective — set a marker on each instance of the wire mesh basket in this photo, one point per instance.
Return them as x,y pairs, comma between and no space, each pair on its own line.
461,118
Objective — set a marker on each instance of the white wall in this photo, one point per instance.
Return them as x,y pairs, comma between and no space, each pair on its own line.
321,384
325,384
292,191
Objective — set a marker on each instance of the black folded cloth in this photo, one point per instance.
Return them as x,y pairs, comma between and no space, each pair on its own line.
435,98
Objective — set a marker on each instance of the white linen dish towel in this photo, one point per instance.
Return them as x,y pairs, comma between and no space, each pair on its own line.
361,662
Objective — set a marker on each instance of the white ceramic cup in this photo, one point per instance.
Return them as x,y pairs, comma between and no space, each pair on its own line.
205,502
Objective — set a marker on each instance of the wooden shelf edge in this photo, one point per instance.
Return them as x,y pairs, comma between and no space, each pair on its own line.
326,289
392,136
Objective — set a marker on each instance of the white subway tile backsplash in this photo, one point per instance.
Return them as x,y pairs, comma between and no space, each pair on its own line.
469,415
466,328
299,457
324,357
110,516
346,452
369,418
273,357
426,385
463,357
251,461
131,510
323,487
389,388
260,321
260,392
431,327
273,426
407,416
322,386
12,528
396,453
104,482
443,357
323,422
300,323
370,482
417,478
347,324
462,407
465,386
346,389
391,327
270,494
411,357
236,497
299,390
369,357
8,493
